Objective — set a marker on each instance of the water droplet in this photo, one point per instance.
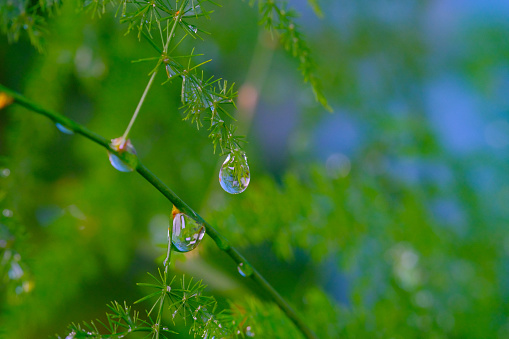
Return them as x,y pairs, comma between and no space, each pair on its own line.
187,232
25,26
64,129
194,10
170,71
244,269
5,172
234,175
7,213
193,28
120,145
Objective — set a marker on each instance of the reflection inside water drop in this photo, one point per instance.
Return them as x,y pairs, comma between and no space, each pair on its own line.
121,145
234,174
170,71
63,129
187,232
244,269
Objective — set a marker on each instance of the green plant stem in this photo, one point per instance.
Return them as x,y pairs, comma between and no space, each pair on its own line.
135,115
220,241
154,73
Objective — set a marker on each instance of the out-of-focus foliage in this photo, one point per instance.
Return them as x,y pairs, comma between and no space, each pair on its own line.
387,218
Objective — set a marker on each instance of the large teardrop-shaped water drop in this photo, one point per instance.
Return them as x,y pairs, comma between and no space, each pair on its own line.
64,129
187,232
121,145
234,174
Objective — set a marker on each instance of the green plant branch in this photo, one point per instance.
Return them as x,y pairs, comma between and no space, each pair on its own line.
154,73
220,241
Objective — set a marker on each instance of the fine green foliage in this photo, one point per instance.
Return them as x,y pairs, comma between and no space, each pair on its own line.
387,219
18,16
280,18
178,299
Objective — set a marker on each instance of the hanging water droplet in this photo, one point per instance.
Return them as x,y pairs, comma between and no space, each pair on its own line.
193,28
194,10
187,232
170,71
63,129
244,269
121,145
234,174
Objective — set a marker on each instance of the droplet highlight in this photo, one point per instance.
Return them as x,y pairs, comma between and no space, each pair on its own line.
121,145
193,28
63,129
196,10
170,71
187,232
234,175
244,269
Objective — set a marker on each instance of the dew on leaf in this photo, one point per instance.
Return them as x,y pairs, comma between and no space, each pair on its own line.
193,28
234,175
63,129
187,232
121,145
244,269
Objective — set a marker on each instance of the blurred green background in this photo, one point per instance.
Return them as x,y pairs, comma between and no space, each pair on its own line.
387,218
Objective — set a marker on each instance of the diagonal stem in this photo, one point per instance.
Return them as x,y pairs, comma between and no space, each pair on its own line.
220,241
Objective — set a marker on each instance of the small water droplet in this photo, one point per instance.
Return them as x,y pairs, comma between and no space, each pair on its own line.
170,71
193,28
5,172
244,269
194,10
25,26
234,180
120,145
187,232
64,129
7,213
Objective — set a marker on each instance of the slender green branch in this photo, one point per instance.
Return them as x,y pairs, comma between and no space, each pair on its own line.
220,241
142,99
126,133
